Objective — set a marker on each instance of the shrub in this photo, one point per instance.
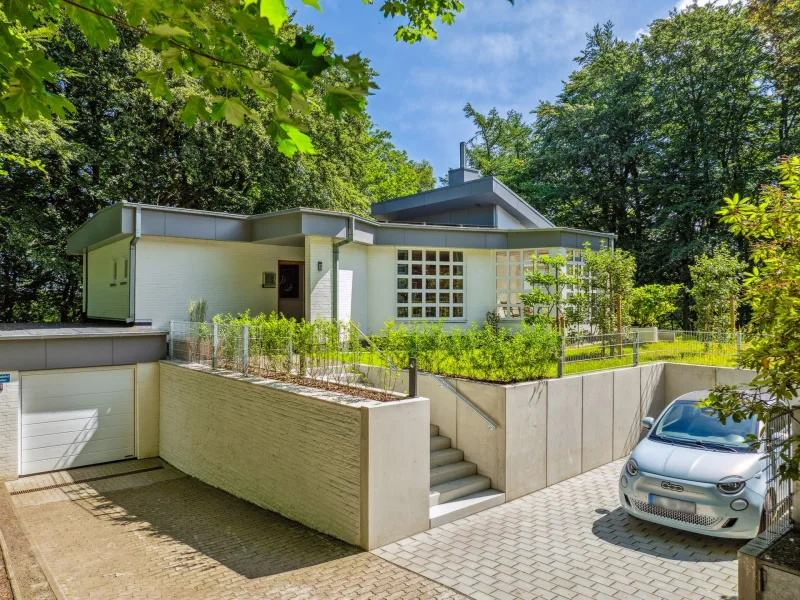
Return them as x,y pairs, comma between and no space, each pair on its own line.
654,305
715,282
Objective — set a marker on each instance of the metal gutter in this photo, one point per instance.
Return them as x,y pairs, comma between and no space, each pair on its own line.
351,225
137,234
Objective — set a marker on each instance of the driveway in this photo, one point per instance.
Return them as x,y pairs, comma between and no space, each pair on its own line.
155,533
143,529
573,541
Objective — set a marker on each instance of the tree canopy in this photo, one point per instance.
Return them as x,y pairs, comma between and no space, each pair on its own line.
121,143
647,136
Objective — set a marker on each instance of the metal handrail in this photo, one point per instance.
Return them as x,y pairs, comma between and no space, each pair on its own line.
442,382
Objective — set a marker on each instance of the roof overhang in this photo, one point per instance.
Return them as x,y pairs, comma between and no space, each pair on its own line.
291,227
478,192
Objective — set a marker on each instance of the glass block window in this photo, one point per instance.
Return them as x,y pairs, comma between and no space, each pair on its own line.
511,267
430,284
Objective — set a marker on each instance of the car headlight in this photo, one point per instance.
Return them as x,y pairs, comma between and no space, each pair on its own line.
733,486
632,468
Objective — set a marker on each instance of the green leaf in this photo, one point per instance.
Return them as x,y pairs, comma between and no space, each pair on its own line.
233,110
166,30
99,32
195,107
157,83
275,12
314,3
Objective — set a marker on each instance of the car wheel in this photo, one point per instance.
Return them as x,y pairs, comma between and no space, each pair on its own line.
769,506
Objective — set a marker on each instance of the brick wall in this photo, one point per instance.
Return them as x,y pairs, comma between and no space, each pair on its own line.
293,454
320,283
9,428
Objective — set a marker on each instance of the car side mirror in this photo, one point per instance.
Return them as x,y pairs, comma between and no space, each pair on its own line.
647,422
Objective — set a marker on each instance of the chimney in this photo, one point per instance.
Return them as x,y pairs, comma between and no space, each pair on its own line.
463,174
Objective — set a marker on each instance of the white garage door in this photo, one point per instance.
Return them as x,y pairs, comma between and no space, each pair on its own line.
76,418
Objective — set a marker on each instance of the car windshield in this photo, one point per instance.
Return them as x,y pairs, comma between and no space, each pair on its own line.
689,423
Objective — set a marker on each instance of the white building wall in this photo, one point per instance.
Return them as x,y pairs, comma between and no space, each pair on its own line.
353,282
9,427
172,271
479,284
319,283
108,298
380,291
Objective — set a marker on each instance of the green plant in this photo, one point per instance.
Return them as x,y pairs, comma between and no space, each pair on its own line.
198,310
772,224
716,282
608,275
549,281
653,305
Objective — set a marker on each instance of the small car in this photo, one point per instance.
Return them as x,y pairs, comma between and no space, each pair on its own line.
695,473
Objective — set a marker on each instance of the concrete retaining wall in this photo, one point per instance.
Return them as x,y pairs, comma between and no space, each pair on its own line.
551,430
355,469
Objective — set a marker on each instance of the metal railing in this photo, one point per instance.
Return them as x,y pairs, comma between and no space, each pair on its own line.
328,356
594,352
777,518
466,401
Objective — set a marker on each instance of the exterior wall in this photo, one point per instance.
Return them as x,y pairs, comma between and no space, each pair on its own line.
147,402
479,281
319,283
9,427
503,220
395,493
483,215
286,452
353,281
355,469
107,298
172,271
526,439
381,289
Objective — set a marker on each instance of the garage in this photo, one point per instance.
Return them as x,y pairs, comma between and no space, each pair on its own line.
76,417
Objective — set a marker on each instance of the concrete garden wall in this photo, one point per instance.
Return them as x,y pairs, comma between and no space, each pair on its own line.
554,429
352,468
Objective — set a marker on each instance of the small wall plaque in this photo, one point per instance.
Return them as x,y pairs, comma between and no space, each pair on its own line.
268,280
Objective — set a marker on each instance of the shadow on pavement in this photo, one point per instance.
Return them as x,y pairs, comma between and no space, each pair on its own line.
618,528
249,540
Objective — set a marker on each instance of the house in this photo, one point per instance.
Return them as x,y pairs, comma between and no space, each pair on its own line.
452,253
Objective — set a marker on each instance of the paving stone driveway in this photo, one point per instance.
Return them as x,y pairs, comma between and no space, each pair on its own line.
573,541
163,535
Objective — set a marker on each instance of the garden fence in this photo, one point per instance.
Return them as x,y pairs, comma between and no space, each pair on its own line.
778,503
325,355
591,352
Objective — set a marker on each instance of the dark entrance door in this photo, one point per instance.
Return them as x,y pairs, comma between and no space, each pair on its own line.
291,292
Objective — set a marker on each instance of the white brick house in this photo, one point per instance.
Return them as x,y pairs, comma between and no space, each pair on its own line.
453,253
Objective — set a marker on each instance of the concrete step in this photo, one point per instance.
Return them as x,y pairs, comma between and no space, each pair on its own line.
452,490
434,430
453,471
465,506
446,457
439,442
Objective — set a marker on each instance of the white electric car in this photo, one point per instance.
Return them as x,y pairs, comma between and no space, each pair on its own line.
694,473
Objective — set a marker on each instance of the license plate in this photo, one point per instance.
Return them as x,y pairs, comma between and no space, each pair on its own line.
673,504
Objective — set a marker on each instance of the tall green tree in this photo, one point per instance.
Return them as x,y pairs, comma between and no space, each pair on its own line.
123,144
716,282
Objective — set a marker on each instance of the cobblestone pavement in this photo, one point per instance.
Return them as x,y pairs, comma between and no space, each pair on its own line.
573,541
163,535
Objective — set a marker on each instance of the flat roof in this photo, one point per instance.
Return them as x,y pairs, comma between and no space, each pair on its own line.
44,331
289,227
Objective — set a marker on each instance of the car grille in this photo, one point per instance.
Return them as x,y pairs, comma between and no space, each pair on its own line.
693,519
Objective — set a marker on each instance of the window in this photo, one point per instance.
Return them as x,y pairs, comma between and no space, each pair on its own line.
440,273
114,272
511,267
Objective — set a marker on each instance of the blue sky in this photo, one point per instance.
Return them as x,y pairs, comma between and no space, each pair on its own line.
495,54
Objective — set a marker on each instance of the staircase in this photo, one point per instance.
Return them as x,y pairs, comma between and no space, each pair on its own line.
456,488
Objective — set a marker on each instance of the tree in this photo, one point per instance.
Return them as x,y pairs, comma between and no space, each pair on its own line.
500,144
233,50
772,288
608,275
654,305
716,282
123,144
549,282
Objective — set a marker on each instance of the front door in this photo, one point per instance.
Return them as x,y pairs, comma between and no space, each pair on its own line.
291,293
